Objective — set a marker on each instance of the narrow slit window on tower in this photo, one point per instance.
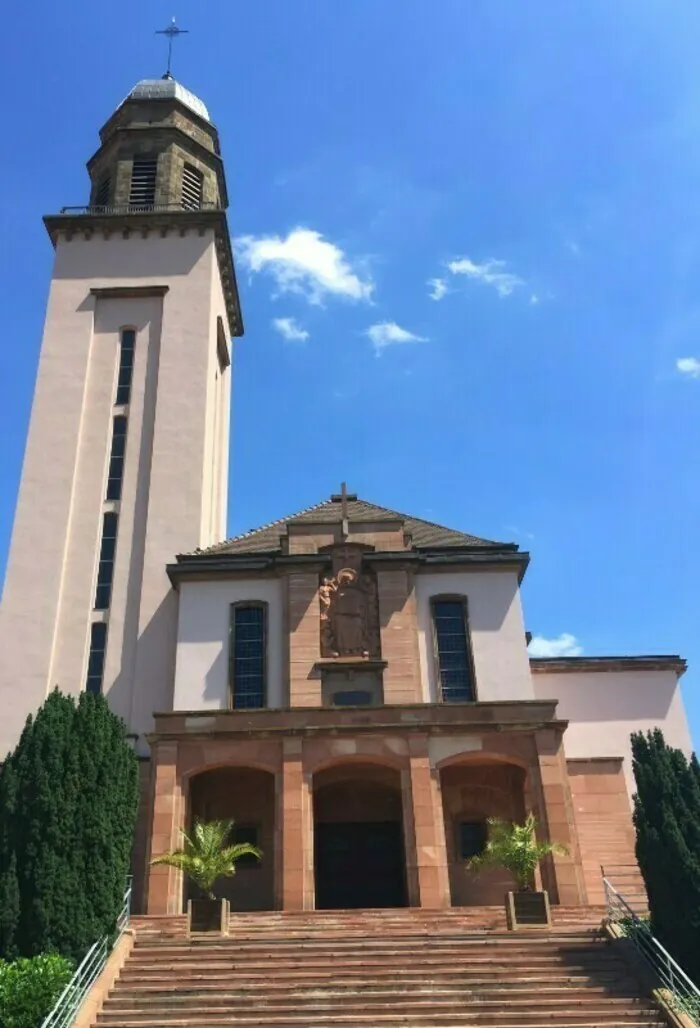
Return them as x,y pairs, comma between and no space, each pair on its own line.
96,657
105,569
192,188
247,656
143,182
116,458
102,194
452,650
126,366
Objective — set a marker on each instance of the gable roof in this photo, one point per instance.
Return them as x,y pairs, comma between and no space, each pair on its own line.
425,535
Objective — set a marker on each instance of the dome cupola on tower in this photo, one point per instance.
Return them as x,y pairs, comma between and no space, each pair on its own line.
167,88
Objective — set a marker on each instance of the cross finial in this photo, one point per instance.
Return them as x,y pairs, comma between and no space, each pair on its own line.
342,498
171,32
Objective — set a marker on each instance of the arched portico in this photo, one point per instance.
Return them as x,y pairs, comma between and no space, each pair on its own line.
436,786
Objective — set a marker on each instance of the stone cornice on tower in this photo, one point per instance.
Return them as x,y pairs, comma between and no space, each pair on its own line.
126,221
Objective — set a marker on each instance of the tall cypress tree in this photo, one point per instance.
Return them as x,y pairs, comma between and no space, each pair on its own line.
107,763
69,827
667,821
9,887
43,829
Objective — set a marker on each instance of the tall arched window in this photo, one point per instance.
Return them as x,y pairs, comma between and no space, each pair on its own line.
248,655
454,666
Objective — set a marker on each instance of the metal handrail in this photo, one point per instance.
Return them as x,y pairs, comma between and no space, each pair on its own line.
137,208
69,1002
684,994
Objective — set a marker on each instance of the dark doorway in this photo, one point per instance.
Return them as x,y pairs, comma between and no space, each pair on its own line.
359,864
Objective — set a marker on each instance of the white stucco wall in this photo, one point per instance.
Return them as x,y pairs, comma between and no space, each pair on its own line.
167,496
604,707
497,632
202,660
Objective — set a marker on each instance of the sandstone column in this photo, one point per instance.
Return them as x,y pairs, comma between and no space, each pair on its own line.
164,884
562,875
296,819
424,829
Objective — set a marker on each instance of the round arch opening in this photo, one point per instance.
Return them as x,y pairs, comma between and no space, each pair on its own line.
359,852
472,792
246,796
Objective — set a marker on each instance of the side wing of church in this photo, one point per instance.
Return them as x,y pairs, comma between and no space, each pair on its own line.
352,685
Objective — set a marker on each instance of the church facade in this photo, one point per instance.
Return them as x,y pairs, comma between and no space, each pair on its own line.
351,684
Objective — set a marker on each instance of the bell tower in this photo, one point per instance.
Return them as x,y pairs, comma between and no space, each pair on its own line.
126,462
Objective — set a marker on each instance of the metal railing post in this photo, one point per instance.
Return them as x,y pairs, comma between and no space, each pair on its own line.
88,971
684,994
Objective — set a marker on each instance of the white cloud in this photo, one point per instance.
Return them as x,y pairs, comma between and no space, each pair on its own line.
289,328
386,333
518,531
534,300
564,645
689,366
438,288
491,273
304,263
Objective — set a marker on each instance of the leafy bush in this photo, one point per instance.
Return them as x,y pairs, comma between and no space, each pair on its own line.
30,987
632,925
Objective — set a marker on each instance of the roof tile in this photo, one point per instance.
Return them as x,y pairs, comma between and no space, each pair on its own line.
424,534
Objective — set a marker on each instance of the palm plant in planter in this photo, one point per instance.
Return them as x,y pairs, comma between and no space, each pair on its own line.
204,858
516,849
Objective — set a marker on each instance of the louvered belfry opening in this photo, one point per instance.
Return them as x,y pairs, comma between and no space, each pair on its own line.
143,182
102,195
192,187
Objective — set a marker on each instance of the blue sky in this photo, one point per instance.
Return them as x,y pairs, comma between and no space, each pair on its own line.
540,160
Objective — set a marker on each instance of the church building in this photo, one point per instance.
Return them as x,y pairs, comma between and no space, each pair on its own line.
351,684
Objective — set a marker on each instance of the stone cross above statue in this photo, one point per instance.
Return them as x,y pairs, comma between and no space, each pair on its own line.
343,498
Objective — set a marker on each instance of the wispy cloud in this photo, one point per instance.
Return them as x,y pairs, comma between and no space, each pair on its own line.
689,366
491,273
438,288
388,333
564,645
573,247
305,263
290,329
534,299
519,532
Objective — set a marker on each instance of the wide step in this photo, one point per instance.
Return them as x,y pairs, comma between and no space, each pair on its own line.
431,1020
376,970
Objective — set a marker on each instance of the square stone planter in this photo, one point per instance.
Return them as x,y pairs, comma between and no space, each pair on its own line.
206,915
525,909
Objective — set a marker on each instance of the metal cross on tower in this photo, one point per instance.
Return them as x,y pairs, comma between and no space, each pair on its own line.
171,32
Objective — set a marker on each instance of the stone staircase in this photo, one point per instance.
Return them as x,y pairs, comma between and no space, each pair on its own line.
419,969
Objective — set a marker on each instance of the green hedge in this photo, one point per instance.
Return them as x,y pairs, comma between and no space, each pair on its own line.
29,988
